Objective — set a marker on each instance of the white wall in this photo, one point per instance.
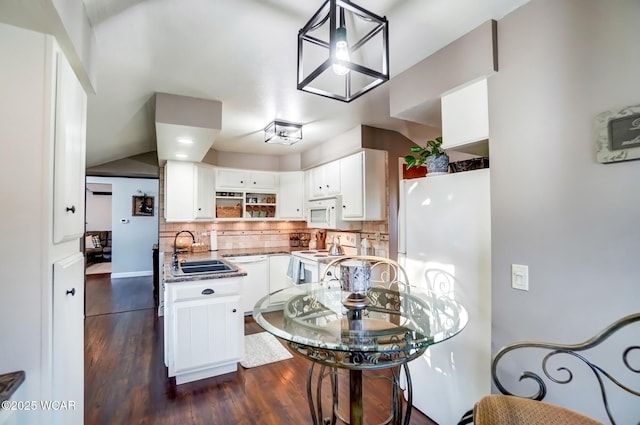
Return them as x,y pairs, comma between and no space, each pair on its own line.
98,207
132,241
573,221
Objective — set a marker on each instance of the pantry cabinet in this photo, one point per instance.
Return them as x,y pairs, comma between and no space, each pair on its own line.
204,328
42,170
69,154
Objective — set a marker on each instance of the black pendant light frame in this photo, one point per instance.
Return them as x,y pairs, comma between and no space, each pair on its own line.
336,8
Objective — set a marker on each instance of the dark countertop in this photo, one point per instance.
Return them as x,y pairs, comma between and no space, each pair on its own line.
208,255
9,383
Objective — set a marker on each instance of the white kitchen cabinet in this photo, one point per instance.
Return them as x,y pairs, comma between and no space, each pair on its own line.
42,122
204,191
278,266
255,284
245,179
465,115
68,337
324,180
363,185
188,192
231,179
291,196
69,154
204,328
263,180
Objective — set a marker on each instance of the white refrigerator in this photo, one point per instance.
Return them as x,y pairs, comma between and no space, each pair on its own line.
444,244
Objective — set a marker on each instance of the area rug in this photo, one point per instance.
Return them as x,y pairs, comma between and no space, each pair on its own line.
263,348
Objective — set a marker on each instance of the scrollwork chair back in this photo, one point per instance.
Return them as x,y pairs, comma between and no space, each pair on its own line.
627,364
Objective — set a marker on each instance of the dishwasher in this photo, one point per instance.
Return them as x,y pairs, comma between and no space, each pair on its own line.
255,284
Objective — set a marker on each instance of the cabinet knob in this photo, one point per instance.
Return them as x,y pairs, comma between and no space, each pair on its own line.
319,187
199,209
254,182
344,206
207,291
234,310
71,291
72,209
241,181
327,186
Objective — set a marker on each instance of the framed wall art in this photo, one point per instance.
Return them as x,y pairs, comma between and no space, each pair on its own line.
618,135
143,206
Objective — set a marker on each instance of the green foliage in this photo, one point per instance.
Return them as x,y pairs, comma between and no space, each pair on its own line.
419,154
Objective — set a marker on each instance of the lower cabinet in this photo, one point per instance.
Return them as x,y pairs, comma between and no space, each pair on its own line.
68,338
204,328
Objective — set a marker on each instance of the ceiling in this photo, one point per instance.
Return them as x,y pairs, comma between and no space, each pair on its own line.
243,53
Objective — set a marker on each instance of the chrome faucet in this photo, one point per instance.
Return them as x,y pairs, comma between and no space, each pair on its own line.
174,257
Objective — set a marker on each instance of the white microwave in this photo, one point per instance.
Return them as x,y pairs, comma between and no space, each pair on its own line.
327,214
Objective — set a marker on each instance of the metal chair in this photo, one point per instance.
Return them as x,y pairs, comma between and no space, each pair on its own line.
508,409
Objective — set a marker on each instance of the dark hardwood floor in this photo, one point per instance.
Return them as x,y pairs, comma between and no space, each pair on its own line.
107,296
126,380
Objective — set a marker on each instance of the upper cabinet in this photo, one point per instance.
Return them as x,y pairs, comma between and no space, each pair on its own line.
291,196
188,191
203,191
245,179
363,185
69,153
359,179
324,180
465,115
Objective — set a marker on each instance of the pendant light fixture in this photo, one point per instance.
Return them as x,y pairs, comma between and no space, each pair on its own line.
346,49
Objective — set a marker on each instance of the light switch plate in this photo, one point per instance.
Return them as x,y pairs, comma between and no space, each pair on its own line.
520,277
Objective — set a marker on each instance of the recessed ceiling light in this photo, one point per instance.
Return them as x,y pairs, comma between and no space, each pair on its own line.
181,155
185,141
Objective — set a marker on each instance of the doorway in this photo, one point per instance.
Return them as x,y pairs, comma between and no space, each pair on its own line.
98,228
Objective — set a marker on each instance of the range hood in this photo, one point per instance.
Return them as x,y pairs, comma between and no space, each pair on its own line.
186,127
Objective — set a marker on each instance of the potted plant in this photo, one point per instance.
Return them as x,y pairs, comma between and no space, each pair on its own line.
432,155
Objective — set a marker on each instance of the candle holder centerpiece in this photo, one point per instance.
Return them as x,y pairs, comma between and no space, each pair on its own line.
355,278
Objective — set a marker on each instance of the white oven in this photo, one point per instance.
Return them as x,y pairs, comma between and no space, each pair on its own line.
327,214
314,261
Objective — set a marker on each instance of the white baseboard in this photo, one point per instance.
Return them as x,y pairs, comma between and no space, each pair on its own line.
132,274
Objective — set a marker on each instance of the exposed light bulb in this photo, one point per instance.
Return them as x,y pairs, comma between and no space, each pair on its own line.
342,51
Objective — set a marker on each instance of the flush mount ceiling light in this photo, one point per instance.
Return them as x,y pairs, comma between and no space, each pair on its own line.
283,133
347,49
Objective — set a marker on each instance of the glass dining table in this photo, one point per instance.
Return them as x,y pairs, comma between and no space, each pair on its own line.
384,328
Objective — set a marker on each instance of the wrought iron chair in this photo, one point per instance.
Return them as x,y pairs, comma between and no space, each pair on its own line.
506,408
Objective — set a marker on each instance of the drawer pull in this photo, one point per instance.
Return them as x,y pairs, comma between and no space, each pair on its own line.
207,291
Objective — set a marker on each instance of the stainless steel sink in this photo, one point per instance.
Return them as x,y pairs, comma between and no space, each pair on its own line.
205,267
212,262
